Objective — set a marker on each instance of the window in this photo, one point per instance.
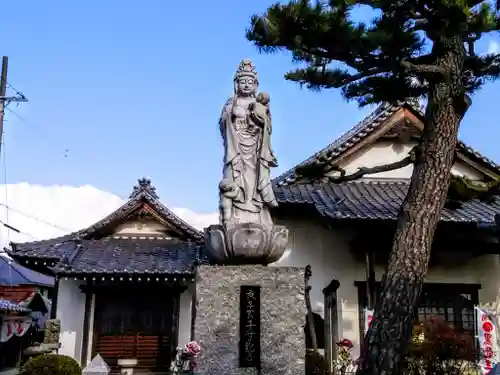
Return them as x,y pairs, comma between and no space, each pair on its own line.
453,303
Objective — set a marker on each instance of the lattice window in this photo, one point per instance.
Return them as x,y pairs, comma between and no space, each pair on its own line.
453,303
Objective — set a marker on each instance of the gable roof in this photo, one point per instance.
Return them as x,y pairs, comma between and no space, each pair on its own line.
143,197
359,134
371,198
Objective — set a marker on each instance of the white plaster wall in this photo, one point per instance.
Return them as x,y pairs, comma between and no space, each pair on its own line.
185,314
327,251
141,228
71,310
385,152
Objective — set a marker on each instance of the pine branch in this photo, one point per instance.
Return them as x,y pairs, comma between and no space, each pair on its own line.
380,59
424,69
363,171
316,171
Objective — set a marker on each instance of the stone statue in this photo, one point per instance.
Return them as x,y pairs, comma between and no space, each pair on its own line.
246,127
52,331
246,233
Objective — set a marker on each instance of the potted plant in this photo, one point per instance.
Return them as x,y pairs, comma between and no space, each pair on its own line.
185,359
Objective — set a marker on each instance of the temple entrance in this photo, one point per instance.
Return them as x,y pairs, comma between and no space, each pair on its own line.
136,323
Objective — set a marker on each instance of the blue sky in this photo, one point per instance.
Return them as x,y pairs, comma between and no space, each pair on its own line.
134,89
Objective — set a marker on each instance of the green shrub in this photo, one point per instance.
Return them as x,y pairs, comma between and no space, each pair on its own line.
51,364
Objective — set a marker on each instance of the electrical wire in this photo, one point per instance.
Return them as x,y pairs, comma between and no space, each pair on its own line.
12,87
23,120
4,159
10,227
34,218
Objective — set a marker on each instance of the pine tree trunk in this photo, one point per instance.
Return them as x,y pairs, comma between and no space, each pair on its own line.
390,332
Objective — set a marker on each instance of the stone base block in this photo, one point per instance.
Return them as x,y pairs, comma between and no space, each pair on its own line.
282,319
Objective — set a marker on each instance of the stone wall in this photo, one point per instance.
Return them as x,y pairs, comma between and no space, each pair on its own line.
282,315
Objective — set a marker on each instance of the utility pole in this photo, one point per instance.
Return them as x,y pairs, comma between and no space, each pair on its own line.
5,100
3,91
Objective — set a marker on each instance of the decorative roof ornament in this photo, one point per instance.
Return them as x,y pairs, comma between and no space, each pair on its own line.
144,185
246,69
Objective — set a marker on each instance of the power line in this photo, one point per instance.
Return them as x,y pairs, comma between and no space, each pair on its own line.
10,227
12,87
4,99
34,218
32,127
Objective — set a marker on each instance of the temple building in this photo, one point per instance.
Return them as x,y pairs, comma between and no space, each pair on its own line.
125,284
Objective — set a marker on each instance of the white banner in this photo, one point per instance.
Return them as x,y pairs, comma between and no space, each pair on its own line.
368,313
487,335
13,327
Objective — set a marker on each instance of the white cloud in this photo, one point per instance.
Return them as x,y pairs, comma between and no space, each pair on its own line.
493,47
42,212
199,221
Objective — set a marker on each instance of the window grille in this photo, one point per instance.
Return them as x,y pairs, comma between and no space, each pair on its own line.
452,303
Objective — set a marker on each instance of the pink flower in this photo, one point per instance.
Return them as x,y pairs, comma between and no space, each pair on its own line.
193,347
346,343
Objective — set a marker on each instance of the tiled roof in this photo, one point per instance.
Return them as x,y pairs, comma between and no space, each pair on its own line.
361,131
143,192
7,305
373,199
52,249
139,255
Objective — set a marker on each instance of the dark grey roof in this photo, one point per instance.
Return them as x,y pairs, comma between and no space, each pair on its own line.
131,255
373,199
364,129
52,249
143,192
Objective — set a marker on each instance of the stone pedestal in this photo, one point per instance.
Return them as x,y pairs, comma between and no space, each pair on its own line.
282,319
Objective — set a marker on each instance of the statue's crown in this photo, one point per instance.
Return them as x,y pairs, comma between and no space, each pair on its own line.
246,69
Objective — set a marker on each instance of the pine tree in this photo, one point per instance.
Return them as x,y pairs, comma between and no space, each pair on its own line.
412,49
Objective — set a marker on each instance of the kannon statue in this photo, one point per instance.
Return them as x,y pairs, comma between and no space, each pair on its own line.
246,194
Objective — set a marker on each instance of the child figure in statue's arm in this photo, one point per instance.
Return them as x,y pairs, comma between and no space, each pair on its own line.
259,110
227,192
